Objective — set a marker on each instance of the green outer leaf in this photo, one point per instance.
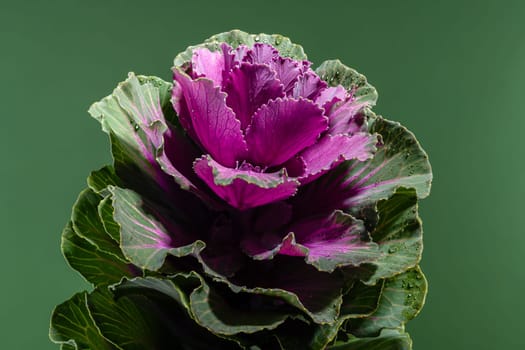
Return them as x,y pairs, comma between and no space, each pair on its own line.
236,37
167,288
361,301
121,321
205,305
176,290
402,298
129,146
87,224
399,235
132,320
133,116
321,293
387,340
336,73
93,264
72,324
105,211
323,335
144,239
100,179
211,311
400,162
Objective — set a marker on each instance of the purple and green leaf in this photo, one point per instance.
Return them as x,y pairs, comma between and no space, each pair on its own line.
148,232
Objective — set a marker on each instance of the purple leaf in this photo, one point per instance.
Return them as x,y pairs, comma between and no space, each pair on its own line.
329,96
249,87
262,53
332,150
208,64
244,189
213,122
326,242
282,128
287,71
345,117
308,86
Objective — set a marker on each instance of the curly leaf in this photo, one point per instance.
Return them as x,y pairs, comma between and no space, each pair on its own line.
402,298
317,294
399,235
237,37
133,116
212,311
88,225
168,300
387,340
100,179
399,162
73,326
326,242
334,72
147,233
97,266
105,212
361,301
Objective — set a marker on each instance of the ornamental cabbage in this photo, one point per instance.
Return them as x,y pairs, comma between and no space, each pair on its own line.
253,203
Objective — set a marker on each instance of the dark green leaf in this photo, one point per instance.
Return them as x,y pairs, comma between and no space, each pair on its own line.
72,324
318,294
122,321
165,307
87,224
97,266
100,179
387,340
361,300
399,235
402,298
212,311
105,211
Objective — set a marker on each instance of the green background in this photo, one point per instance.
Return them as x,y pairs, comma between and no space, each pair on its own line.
451,71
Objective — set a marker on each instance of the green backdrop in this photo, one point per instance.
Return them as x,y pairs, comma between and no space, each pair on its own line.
451,71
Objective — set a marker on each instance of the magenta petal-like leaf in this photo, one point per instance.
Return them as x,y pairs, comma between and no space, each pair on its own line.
309,86
181,107
325,242
331,150
208,64
282,128
267,246
287,71
262,53
295,167
345,117
213,122
339,240
244,189
329,96
250,86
